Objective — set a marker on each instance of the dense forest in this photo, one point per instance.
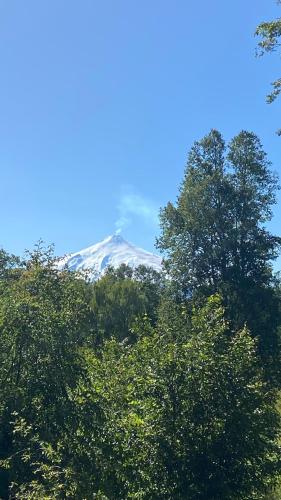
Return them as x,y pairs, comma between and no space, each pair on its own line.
144,385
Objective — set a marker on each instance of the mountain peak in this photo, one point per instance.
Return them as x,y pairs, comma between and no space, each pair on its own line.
112,251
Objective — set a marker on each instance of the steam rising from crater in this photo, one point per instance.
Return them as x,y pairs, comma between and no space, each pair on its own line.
132,206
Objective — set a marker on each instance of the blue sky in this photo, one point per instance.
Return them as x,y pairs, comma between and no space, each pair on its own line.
100,102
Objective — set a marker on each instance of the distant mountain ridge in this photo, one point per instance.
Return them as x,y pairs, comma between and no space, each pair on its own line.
112,251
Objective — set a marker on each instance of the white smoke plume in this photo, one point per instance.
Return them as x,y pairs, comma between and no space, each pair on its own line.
132,206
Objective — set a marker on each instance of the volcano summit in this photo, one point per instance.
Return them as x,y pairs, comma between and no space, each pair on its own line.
112,251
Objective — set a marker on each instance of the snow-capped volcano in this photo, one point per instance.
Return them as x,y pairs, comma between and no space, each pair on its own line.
112,251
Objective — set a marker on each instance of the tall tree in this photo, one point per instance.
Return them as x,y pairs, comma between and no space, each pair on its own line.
44,320
215,237
193,230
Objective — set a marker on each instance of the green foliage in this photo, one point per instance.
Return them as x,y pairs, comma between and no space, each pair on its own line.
163,419
120,297
144,388
215,232
43,320
215,238
270,33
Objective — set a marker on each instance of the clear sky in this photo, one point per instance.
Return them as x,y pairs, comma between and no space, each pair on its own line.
100,102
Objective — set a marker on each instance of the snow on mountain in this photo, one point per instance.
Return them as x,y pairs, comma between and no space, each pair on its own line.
112,251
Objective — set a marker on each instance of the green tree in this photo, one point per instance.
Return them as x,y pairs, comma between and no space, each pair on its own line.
193,231
181,419
215,237
120,297
44,318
